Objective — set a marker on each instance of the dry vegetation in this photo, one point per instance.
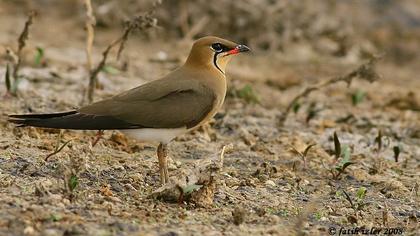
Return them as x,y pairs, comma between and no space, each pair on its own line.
293,152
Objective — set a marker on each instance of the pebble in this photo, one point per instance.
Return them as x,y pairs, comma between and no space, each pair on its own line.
51,232
29,230
270,183
274,219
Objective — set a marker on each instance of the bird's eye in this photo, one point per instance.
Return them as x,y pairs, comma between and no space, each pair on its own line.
217,47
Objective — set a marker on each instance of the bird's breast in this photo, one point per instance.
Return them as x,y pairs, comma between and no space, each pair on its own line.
160,135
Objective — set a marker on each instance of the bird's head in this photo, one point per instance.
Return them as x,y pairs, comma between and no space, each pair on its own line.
214,52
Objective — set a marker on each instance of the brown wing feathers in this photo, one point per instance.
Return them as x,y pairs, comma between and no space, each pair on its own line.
182,108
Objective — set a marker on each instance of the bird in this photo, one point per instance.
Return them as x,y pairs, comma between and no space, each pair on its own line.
160,110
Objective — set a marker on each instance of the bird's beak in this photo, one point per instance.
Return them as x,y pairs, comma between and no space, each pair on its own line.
238,49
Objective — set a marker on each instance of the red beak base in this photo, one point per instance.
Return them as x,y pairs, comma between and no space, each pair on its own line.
233,51
238,49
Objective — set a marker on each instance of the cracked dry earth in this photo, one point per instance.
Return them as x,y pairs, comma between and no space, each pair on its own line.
258,186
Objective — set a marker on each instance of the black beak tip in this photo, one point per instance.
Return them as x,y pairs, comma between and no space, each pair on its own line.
243,48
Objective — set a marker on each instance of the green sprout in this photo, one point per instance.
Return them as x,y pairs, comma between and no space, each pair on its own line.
248,94
358,97
110,70
73,182
11,83
340,151
39,56
296,107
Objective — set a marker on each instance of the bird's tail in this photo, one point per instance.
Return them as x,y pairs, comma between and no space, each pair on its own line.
49,120
71,120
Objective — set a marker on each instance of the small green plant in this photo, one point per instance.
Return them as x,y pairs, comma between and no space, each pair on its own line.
270,210
73,182
312,112
304,153
345,162
248,94
296,107
358,97
361,193
11,84
337,146
55,217
283,212
340,151
110,70
39,55
359,202
318,215
187,190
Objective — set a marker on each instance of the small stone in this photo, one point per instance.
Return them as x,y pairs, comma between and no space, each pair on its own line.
66,201
113,199
136,177
51,232
275,219
173,165
119,168
29,230
162,56
270,183
130,187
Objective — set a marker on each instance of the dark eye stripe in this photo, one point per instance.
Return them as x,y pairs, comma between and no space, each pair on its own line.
218,47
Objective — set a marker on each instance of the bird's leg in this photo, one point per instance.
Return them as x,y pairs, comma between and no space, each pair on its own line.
162,153
97,137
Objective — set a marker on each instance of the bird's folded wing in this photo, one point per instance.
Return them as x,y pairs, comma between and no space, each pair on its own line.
159,104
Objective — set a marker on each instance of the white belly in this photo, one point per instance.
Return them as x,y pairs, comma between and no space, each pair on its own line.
154,135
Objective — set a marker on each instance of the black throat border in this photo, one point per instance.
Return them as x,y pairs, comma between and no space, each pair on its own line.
215,62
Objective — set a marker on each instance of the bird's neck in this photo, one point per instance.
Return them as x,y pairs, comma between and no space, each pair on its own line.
208,76
206,63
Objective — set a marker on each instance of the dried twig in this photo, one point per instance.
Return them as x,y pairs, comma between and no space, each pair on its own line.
22,42
141,22
90,23
183,16
58,148
365,71
17,57
225,149
196,28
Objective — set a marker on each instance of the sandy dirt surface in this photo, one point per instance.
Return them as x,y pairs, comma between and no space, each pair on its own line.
260,185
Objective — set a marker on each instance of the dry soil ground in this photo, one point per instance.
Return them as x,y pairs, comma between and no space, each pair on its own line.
263,185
